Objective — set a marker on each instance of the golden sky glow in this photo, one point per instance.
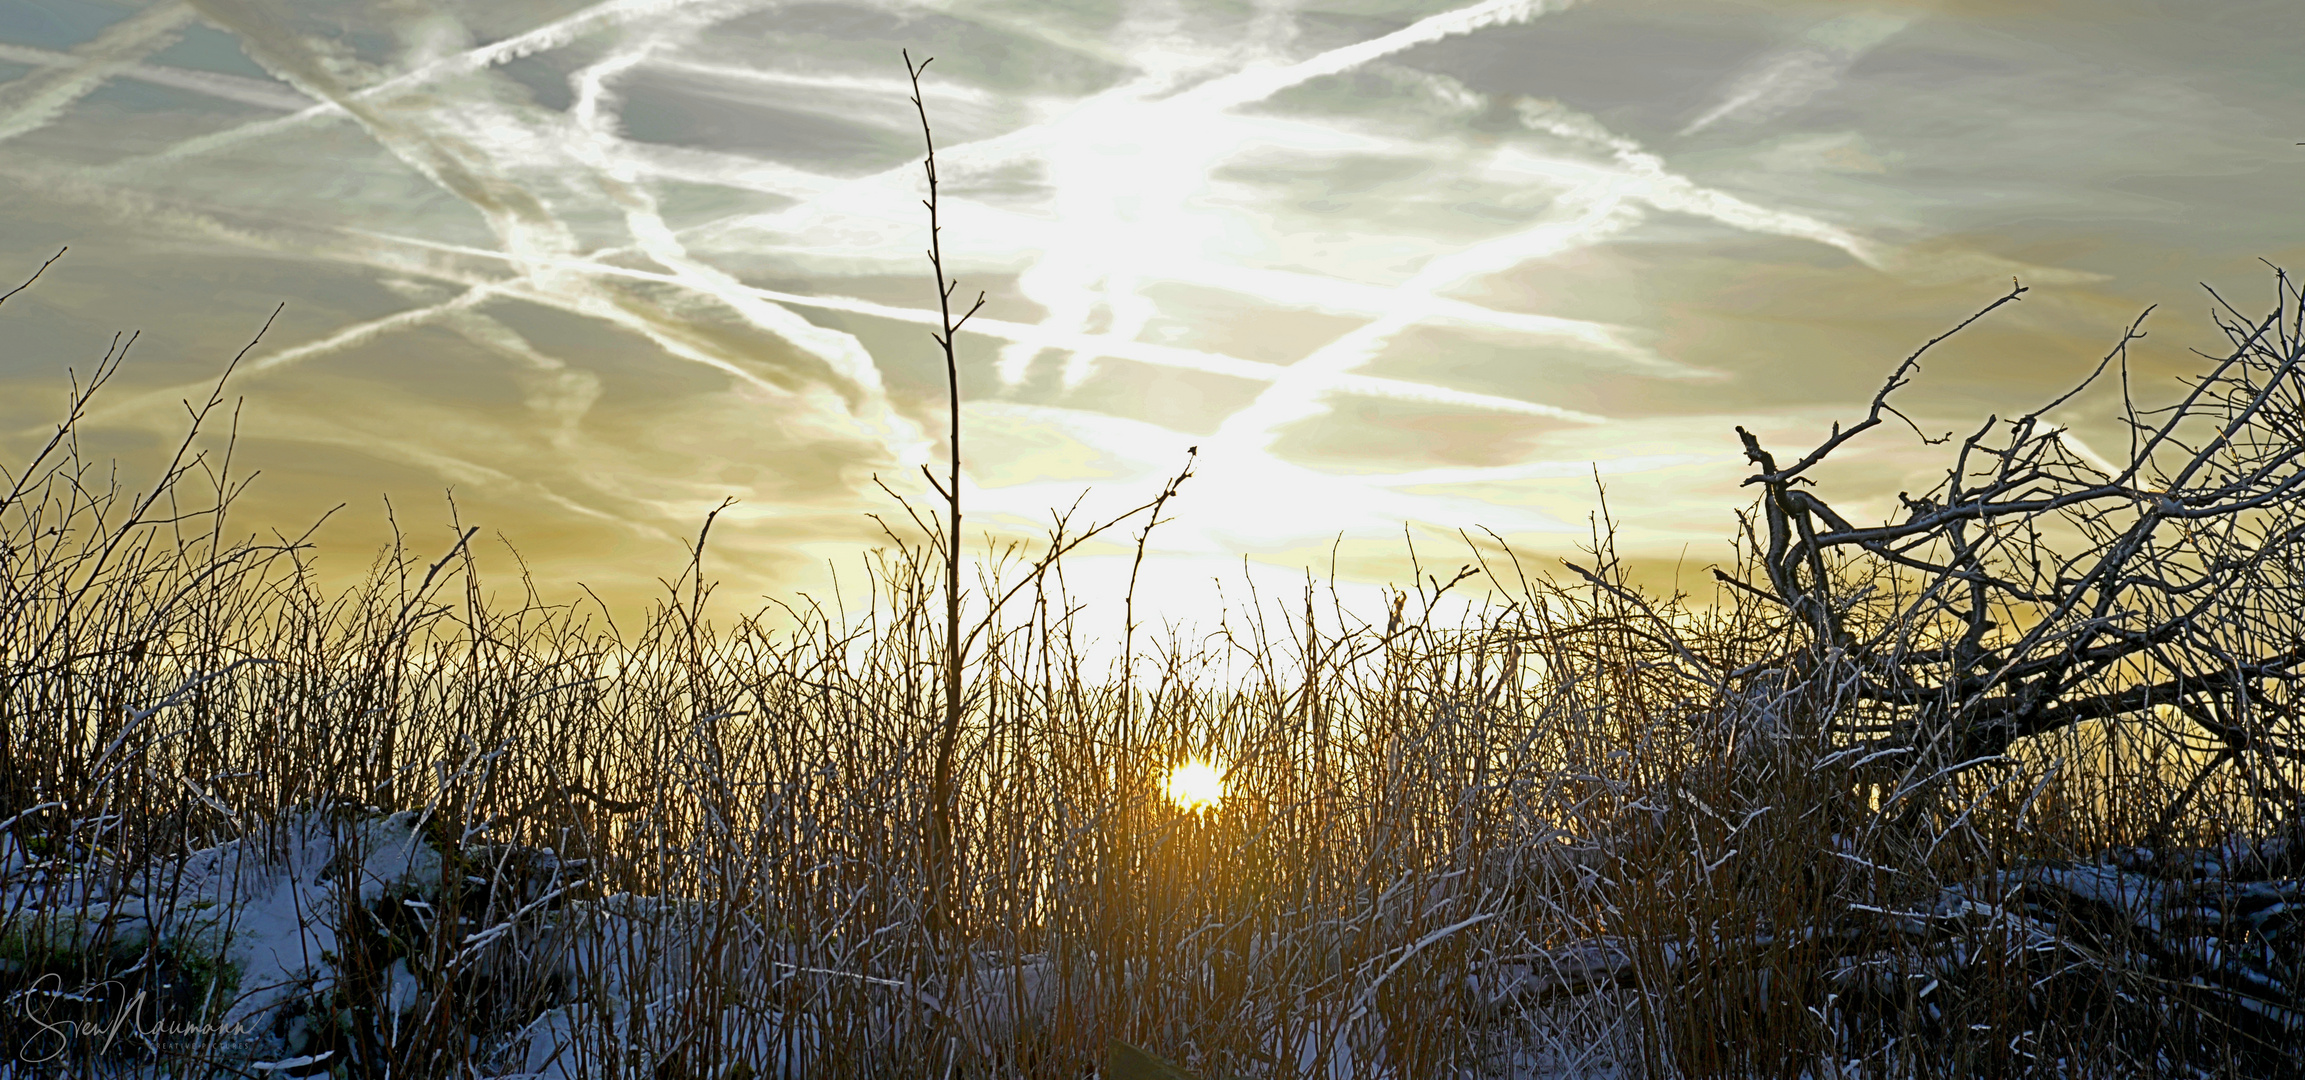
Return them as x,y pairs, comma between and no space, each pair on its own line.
598,266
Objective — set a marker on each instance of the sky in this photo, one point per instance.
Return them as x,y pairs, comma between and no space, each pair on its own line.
1399,271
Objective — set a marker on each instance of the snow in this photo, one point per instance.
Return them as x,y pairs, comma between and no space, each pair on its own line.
268,913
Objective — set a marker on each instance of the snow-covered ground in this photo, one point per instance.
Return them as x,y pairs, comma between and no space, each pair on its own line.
297,952
339,942
332,942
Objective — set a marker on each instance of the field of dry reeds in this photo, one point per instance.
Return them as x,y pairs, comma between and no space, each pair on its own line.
1901,801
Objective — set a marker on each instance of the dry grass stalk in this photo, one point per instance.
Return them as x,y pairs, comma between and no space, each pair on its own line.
1582,828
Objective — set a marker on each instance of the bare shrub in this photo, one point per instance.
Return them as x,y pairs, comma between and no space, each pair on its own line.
1995,789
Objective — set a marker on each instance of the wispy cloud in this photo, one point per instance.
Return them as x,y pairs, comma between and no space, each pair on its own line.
1237,163
31,102
232,88
1789,77
552,35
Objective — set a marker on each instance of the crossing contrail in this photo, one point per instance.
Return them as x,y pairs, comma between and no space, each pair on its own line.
1097,201
29,103
233,88
552,35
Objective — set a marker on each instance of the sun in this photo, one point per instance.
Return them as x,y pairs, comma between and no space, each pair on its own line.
1195,785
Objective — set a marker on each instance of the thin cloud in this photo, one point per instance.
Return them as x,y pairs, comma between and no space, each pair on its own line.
1790,77
1139,198
30,103
1258,84
475,150
232,88
1297,395
558,394
1148,183
555,34
1036,334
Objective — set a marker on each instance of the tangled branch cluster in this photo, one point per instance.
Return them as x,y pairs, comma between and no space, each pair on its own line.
2038,586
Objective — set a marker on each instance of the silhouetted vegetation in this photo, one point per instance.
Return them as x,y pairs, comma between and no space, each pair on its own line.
2006,786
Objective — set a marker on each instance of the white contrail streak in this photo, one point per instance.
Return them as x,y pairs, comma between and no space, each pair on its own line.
1649,180
1142,352
29,103
1598,208
1130,174
1312,292
693,166
598,148
1076,276
459,150
472,151
544,38
1294,289
1189,359
1296,395
234,88
2087,453
470,299
455,468
1168,356
1792,76
876,87
1215,96
358,334
1258,84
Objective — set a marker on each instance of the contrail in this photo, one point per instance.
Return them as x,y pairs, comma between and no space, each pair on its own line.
734,171
233,88
382,441
842,353
362,333
1056,279
473,296
1040,336
1169,356
1296,394
1300,290
344,338
453,467
1310,292
1233,91
1794,75
890,87
29,103
2087,453
504,160
544,38
1143,352
1076,276
1599,208
1216,96
1654,183
558,392
533,237
460,164
538,245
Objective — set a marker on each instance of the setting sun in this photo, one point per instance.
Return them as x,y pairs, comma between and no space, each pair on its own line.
1195,785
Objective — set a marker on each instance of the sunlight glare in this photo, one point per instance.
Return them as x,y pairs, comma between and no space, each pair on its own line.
1195,785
